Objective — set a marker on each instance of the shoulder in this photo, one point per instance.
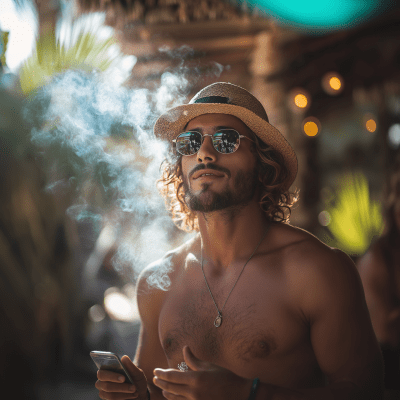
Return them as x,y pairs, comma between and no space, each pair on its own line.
318,273
156,277
155,280
301,249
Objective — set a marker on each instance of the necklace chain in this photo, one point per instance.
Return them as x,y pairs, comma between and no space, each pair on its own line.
218,320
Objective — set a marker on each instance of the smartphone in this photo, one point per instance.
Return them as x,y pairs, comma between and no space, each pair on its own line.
110,362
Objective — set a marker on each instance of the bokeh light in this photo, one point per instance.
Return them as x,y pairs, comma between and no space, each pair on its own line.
300,100
371,125
332,83
324,218
118,305
96,313
394,135
335,83
311,126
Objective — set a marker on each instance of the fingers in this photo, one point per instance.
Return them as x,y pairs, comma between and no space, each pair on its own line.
109,376
116,387
117,396
135,373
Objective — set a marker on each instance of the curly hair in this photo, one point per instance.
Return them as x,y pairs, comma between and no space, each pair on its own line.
275,201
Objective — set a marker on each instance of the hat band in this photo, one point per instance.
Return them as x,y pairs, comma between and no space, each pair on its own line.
213,99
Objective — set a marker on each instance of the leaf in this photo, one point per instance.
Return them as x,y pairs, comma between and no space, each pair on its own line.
52,58
355,219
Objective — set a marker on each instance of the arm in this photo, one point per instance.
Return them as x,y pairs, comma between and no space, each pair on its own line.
149,353
341,333
385,313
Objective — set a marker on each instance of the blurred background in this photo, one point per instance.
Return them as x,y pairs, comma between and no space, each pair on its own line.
82,83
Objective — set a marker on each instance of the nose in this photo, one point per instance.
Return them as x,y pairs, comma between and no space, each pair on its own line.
207,153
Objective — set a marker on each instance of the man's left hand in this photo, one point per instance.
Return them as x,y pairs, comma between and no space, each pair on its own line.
205,381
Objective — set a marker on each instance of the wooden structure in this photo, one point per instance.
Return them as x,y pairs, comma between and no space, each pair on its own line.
216,40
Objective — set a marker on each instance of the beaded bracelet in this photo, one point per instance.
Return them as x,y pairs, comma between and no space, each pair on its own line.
254,388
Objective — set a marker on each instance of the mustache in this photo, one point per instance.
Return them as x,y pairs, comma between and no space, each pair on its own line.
215,167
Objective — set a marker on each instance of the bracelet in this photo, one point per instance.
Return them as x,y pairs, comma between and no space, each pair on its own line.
148,394
254,388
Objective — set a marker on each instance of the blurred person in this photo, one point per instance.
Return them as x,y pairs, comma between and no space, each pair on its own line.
36,287
256,308
379,269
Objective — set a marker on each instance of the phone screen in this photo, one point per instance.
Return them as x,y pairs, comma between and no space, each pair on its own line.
109,361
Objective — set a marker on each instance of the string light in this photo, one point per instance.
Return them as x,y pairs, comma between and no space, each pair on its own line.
332,83
335,83
311,126
370,122
371,125
299,100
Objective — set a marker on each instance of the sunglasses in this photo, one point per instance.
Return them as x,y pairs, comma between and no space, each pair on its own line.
225,141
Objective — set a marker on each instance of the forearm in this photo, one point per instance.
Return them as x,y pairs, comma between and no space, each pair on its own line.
339,391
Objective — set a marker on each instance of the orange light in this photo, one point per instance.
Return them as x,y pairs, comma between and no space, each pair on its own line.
332,83
300,100
335,83
371,125
310,128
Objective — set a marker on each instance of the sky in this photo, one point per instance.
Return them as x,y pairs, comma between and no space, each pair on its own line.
22,26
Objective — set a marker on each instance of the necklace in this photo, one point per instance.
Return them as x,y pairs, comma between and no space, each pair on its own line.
218,319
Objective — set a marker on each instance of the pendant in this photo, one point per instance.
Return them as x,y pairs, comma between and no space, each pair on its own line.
218,320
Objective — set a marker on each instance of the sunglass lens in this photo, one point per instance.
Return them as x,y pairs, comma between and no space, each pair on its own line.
226,141
188,143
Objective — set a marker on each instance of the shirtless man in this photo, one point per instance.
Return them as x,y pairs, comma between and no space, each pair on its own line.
250,296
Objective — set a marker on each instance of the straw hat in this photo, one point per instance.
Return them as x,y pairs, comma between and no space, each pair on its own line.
226,98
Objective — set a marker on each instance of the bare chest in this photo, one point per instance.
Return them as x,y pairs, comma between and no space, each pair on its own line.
260,331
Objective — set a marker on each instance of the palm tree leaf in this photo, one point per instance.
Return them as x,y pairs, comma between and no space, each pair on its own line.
52,58
355,219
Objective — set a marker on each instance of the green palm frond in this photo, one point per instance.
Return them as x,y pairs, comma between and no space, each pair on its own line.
354,219
3,47
52,57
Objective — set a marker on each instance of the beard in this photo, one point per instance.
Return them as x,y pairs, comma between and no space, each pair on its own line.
207,201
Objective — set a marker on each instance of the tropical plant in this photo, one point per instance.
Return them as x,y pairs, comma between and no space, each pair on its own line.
354,218
52,57
3,48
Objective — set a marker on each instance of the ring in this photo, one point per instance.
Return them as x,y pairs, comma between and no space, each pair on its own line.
183,367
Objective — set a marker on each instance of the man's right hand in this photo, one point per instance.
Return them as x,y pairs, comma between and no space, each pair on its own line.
111,387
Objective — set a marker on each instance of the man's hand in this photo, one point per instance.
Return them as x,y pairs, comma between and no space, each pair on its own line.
205,381
112,386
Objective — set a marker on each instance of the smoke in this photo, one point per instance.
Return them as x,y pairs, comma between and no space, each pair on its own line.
96,143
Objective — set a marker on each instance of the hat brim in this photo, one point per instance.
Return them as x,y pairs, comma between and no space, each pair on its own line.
173,122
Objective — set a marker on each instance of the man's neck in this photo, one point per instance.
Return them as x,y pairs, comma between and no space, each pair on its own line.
230,235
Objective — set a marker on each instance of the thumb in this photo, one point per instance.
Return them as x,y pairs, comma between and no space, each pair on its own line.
136,374
194,363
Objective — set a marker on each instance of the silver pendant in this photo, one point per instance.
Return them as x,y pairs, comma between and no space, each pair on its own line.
218,320
183,367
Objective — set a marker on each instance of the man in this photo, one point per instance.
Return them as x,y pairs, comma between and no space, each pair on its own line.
256,308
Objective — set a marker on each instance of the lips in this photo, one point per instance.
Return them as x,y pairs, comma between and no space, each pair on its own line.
207,172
